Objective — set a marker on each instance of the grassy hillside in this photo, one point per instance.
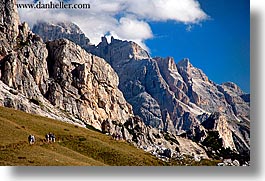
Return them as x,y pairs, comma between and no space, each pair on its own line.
74,145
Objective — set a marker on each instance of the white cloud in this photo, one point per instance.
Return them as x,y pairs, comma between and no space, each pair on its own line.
132,29
124,19
186,11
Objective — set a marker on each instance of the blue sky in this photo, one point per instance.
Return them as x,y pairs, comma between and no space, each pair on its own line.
213,34
219,46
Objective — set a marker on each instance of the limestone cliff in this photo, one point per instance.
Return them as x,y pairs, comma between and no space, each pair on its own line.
9,28
67,30
84,85
176,97
58,78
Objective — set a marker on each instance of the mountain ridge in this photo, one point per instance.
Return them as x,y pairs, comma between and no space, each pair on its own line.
184,86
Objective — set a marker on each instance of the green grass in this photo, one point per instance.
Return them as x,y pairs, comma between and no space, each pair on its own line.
74,145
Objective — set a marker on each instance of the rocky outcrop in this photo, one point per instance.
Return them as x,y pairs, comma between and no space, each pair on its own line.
84,85
60,30
217,122
230,162
12,98
237,99
182,95
163,145
59,76
145,88
9,22
9,19
25,69
71,79
170,74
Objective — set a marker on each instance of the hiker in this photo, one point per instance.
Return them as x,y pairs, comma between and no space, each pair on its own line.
113,136
51,137
47,137
31,139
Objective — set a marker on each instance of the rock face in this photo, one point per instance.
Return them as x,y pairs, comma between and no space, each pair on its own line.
163,145
71,79
58,76
182,95
12,98
84,85
67,30
177,98
23,67
144,87
9,22
237,99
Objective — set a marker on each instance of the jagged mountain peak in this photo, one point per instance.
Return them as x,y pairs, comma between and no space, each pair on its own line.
168,61
232,87
57,30
185,63
62,26
129,49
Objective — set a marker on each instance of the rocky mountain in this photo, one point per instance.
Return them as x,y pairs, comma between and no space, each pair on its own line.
167,109
60,80
59,30
58,75
176,98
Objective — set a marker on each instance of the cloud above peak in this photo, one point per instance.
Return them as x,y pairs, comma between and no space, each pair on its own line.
185,11
123,19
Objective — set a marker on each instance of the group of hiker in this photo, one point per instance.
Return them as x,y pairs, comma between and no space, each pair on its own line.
49,138
116,136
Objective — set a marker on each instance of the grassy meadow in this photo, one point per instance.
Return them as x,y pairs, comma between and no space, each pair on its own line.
74,146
